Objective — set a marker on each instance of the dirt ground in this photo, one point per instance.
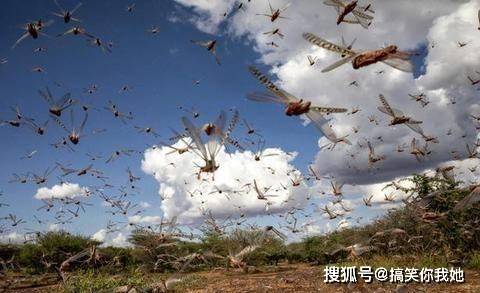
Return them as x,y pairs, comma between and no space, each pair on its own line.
304,278
286,278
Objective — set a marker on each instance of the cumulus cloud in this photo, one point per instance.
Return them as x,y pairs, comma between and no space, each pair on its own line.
232,189
100,235
438,25
208,14
117,239
64,190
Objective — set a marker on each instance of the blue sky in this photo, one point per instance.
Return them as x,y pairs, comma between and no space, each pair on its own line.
160,70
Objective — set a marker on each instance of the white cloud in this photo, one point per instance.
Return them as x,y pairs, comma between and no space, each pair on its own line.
120,240
208,13
407,24
53,227
65,190
145,219
117,239
100,235
12,237
144,204
436,24
186,196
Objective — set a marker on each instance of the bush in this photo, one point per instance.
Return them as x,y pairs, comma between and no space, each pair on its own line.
452,239
50,247
58,246
119,258
30,258
158,251
270,253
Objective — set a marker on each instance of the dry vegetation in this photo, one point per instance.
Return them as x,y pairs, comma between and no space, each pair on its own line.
427,232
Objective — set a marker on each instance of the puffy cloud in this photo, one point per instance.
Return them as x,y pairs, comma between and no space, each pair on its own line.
209,13
54,227
64,190
118,239
379,190
230,191
145,219
436,25
440,23
100,235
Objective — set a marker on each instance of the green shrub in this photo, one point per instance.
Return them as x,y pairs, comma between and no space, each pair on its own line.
474,262
50,247
30,258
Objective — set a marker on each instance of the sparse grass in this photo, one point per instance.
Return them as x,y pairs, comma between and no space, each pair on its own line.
89,282
475,261
190,282
432,262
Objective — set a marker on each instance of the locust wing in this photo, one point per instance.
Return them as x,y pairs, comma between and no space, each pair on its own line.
280,96
213,145
400,64
468,201
47,96
329,109
311,59
76,7
266,98
385,108
83,122
338,63
263,79
233,122
201,43
363,19
322,124
285,7
65,102
372,151
280,235
368,8
413,144
246,251
58,5
60,123
256,187
350,46
415,127
360,14
25,35
214,53
335,3
193,132
313,39
271,8
220,123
